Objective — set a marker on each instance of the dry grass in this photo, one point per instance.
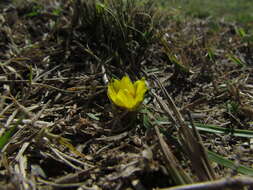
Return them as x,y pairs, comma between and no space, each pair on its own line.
59,130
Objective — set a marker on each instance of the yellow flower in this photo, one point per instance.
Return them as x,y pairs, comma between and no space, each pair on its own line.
125,94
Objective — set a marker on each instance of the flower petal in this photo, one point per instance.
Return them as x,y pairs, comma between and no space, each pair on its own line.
124,99
111,92
140,88
126,83
116,85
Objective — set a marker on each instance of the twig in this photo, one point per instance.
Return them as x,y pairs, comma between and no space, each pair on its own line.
188,139
236,182
178,174
60,185
209,169
57,152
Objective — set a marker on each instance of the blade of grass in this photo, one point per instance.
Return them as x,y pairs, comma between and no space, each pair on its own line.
229,164
236,60
4,139
215,129
222,130
173,59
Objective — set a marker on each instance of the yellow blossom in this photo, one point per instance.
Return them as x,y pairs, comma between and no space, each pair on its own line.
126,94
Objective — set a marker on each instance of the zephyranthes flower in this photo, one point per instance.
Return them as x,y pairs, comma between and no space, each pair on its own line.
125,94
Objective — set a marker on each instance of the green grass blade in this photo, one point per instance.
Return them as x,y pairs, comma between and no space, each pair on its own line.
222,130
236,60
229,164
4,139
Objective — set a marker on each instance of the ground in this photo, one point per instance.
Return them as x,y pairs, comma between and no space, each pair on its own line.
59,129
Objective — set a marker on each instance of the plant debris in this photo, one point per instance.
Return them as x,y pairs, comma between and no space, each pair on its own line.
59,130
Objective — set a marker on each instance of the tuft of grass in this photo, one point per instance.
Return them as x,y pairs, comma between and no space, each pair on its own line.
118,32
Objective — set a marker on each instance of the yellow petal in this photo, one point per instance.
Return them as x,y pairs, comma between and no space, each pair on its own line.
140,87
124,99
116,85
111,92
119,101
126,83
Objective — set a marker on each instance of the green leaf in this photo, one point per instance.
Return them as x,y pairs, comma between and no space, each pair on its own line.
210,54
229,164
222,130
173,59
241,32
236,60
94,116
100,7
146,122
57,12
4,139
